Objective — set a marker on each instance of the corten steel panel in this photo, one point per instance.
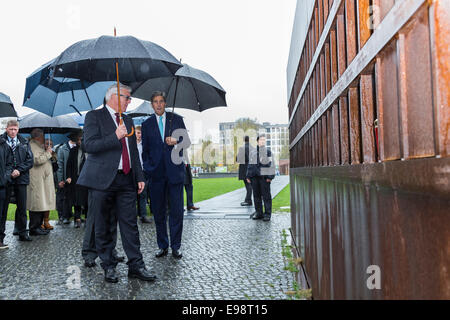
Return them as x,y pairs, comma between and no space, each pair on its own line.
316,28
344,133
334,61
387,103
341,41
440,40
367,119
322,77
320,12
320,139
417,105
364,21
324,140
330,137
336,135
350,24
327,68
359,217
354,126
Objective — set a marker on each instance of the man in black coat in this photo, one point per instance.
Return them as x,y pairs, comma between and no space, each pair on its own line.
188,186
260,173
5,176
20,178
243,158
113,173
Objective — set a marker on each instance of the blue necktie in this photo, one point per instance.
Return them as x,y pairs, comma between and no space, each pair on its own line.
161,127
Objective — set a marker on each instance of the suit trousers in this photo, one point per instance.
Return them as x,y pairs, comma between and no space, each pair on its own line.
142,202
116,204
88,251
161,191
20,193
36,219
3,213
248,188
189,195
261,193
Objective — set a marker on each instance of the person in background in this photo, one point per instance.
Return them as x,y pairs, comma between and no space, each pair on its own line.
142,198
20,177
75,195
260,173
41,197
188,186
63,158
5,176
59,191
243,158
54,161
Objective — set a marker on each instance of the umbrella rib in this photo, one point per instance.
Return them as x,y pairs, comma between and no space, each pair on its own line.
196,95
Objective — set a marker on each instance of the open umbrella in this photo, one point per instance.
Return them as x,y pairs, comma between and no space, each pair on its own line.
59,124
6,106
144,110
104,58
190,88
57,96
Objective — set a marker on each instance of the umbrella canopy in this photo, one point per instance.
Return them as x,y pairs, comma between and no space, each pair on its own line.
144,110
6,106
58,96
190,88
60,124
94,60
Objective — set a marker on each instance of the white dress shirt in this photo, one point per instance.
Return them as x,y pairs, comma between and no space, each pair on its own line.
113,115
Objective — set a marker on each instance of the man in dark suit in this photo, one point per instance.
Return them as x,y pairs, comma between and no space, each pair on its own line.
243,158
113,172
162,154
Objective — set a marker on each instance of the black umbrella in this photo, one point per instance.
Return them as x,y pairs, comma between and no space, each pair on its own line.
59,124
190,88
94,60
104,58
144,110
6,106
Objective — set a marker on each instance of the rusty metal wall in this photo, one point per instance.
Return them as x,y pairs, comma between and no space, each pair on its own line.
370,140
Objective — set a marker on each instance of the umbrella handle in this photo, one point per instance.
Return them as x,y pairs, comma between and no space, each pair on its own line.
118,94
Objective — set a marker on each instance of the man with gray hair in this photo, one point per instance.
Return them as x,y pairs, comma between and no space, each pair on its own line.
20,177
113,174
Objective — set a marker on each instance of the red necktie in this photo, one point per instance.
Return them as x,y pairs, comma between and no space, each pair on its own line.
125,157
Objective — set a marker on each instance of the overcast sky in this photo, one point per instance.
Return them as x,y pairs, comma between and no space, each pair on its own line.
243,44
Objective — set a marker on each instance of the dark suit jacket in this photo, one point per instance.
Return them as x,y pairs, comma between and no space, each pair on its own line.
105,150
154,150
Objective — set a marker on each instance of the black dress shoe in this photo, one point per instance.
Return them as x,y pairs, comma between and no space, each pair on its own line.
119,258
66,221
146,220
39,232
246,204
142,274
162,253
266,217
16,232
25,238
177,254
90,264
257,216
111,276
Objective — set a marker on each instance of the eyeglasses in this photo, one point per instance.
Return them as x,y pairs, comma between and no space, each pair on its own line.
126,97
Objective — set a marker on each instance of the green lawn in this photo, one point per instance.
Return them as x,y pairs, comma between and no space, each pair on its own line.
283,199
205,189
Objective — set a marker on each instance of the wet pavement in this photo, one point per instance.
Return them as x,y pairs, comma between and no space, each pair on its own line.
224,257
